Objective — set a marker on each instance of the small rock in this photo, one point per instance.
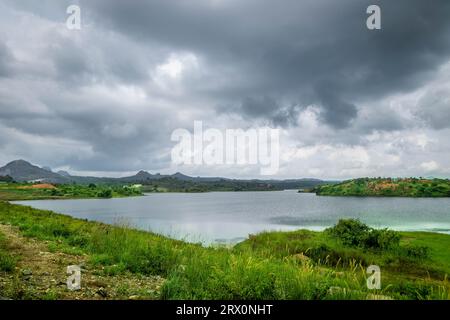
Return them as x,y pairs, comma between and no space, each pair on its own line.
27,272
102,292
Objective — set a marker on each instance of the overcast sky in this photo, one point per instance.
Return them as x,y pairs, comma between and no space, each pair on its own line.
349,101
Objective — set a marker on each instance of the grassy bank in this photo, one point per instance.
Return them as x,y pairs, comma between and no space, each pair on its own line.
291,265
387,187
28,191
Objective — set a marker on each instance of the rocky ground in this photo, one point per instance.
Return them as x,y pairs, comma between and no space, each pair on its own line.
41,274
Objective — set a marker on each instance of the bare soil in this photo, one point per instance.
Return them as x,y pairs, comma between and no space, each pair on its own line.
41,274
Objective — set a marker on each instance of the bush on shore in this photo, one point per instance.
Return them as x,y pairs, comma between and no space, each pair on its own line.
355,233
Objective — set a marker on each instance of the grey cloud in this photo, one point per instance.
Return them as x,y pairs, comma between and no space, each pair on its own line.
91,59
434,109
295,54
6,60
262,61
383,120
334,110
267,109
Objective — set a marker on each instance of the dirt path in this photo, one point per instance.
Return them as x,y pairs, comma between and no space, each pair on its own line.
41,274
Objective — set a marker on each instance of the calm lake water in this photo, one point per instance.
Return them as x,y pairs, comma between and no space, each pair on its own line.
231,216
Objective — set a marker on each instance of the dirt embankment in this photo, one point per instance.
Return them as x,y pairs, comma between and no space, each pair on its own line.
39,186
40,273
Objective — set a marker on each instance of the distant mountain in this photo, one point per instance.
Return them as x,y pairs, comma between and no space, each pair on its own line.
184,177
181,176
63,173
141,176
21,170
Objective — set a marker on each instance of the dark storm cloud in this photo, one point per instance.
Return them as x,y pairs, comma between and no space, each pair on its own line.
265,107
311,52
335,111
264,62
317,52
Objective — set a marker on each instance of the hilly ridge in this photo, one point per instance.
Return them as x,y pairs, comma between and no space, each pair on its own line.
387,187
23,171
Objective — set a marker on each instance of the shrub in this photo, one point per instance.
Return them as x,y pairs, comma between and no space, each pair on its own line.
355,233
381,239
350,231
56,192
417,252
107,193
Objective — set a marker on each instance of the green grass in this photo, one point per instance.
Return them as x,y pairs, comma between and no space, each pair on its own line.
439,246
7,261
387,187
266,266
405,275
325,249
23,191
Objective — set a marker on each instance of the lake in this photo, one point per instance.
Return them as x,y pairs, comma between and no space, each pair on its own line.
231,216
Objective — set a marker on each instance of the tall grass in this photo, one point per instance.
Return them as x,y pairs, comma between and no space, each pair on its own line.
221,274
7,261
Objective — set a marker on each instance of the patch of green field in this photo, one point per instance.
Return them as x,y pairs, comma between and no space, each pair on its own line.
24,191
439,245
291,265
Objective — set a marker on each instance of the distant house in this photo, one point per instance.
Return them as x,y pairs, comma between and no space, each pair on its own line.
36,181
134,186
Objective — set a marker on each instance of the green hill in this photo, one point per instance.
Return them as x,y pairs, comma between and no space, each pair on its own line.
387,187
